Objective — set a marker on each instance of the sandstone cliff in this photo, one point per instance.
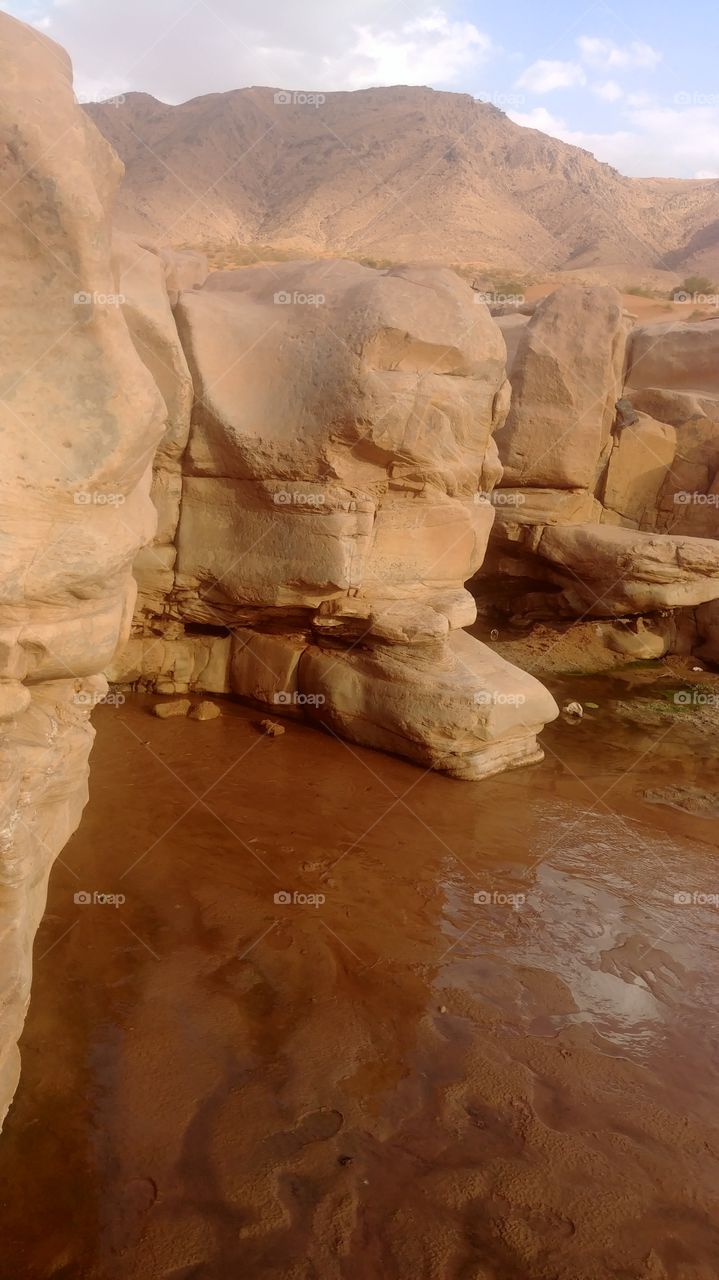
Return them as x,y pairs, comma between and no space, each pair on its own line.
80,418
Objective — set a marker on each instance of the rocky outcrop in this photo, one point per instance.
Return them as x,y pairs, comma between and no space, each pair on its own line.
335,499
142,285
564,390
678,356
608,502
81,418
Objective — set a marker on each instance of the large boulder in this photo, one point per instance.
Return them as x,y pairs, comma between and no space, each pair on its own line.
338,373
609,498
674,407
567,376
337,487
641,457
688,501
683,356
454,706
81,419
606,571
343,423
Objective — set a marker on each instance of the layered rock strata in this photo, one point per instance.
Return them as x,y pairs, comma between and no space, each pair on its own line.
81,418
334,501
607,506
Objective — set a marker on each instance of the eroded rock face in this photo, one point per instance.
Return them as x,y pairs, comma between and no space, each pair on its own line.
567,376
81,418
335,490
680,356
608,508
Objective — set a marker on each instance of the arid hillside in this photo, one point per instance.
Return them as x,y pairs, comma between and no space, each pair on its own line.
400,173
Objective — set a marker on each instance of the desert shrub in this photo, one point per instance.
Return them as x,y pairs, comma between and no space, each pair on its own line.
692,286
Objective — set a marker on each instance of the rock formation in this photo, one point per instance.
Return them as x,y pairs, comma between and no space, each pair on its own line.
608,502
322,453
334,502
81,418
283,478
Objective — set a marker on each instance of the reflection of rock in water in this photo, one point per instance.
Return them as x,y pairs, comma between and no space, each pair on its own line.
400,1080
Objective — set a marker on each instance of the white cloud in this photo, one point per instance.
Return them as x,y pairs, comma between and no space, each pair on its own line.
600,52
540,118
176,50
543,76
658,142
707,173
609,90
427,50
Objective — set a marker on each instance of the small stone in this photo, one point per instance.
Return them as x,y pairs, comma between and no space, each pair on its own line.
592,706
166,709
573,710
443,1008
272,728
205,711
345,1160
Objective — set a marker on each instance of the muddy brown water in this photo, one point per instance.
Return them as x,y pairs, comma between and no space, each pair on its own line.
384,1077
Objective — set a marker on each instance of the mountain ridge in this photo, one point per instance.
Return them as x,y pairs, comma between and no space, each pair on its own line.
399,172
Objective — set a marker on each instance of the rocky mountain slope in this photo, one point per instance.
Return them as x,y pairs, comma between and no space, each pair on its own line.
395,172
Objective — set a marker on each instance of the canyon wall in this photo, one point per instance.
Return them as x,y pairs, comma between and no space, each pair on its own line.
81,418
608,505
276,483
295,473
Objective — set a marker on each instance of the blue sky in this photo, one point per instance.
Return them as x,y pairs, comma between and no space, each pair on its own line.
636,84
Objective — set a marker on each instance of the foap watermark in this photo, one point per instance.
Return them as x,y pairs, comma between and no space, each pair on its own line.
117,100
293,498
498,898
283,298
500,498
283,898
696,299
492,299
96,898
497,698
695,899
96,498
283,698
685,499
85,299
285,98
685,98
500,98
695,698
110,699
